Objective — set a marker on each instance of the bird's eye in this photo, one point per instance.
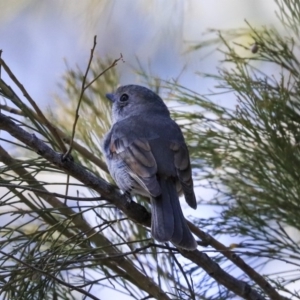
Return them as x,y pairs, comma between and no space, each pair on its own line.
124,98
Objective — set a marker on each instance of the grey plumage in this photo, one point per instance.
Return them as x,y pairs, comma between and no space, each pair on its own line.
146,154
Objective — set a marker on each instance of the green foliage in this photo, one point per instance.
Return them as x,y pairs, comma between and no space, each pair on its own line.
48,249
246,152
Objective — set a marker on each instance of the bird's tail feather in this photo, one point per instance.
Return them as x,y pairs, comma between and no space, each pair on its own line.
168,222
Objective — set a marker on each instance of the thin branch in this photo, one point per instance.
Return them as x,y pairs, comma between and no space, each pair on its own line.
191,290
32,102
85,152
11,110
31,189
47,274
239,287
81,96
238,261
77,112
114,63
84,87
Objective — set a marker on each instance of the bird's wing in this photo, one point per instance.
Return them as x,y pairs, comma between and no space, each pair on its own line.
137,155
184,171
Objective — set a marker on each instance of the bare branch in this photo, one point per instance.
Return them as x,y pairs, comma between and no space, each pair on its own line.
82,150
31,101
84,87
213,269
48,274
238,261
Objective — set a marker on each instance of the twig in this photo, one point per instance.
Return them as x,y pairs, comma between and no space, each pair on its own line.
239,287
34,105
238,261
0,65
31,189
11,109
47,274
68,152
114,63
191,290
85,152
80,97
84,87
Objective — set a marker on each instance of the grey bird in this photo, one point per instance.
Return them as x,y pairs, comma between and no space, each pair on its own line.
146,154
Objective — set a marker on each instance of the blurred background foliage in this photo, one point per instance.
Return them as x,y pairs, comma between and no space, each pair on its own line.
245,164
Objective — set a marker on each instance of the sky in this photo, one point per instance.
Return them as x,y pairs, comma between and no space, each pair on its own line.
38,37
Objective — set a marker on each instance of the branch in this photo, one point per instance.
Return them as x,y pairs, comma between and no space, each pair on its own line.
80,97
41,191
133,210
47,274
102,243
8,91
238,261
84,87
239,287
83,151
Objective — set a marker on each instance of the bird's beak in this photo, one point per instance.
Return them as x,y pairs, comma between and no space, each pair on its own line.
110,97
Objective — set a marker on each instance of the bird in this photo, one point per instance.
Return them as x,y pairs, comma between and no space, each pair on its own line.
146,154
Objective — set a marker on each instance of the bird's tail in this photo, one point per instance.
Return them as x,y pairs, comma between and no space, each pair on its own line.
168,222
